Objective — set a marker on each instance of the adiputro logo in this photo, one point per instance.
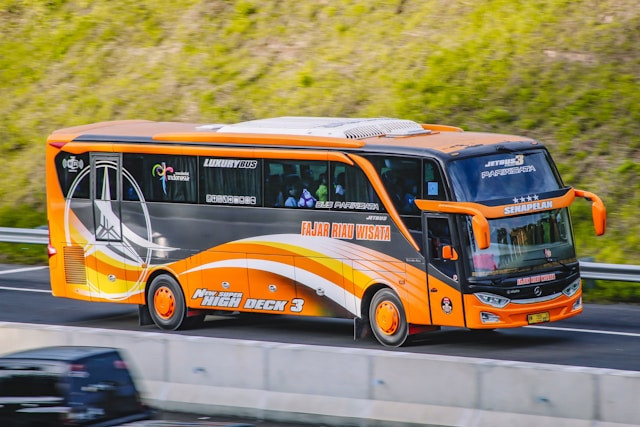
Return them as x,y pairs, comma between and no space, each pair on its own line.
161,170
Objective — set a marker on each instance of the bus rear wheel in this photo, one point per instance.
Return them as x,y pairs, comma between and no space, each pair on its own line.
387,318
166,302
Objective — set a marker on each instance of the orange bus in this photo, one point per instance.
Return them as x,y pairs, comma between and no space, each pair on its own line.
400,226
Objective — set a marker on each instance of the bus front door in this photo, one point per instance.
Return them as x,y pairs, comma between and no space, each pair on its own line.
443,271
107,274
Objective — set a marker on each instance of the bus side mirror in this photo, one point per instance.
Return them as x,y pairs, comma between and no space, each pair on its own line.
479,222
480,227
449,253
598,211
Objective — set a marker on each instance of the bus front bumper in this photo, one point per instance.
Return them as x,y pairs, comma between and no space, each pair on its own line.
480,315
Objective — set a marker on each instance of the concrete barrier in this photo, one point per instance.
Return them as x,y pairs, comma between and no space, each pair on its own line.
346,386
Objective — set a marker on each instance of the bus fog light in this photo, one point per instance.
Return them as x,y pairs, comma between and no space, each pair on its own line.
572,288
492,300
577,305
489,317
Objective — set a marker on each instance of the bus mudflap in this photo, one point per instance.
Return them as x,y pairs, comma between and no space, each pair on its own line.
144,317
361,328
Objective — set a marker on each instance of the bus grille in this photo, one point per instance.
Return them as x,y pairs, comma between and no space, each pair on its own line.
74,267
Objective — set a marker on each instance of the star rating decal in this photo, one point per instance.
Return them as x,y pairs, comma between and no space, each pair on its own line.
528,198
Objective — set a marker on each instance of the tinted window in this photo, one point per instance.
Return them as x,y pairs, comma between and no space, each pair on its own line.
433,185
295,183
503,176
230,181
351,190
161,178
20,379
401,178
407,178
439,235
73,174
106,180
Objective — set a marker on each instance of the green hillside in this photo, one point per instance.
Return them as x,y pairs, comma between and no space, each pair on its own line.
564,71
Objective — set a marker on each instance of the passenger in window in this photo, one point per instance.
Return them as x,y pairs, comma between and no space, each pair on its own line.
131,193
307,176
339,188
274,193
409,197
292,197
394,187
322,191
306,199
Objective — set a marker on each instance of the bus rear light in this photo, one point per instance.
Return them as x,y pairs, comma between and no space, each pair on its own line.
51,251
492,300
572,288
489,317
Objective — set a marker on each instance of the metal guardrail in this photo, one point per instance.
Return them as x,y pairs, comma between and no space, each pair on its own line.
588,269
24,235
618,272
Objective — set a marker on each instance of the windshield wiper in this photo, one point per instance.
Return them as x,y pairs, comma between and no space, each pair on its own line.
502,149
549,259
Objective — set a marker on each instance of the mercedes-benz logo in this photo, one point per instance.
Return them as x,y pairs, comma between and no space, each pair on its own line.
537,291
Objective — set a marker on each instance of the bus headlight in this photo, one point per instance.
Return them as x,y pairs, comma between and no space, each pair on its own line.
493,300
572,288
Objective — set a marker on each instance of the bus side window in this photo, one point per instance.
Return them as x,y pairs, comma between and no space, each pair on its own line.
231,182
293,183
161,178
338,188
350,184
433,188
274,193
69,167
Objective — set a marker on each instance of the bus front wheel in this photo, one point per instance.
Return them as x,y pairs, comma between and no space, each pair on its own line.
166,302
387,318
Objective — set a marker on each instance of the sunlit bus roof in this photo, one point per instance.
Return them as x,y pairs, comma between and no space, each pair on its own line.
330,132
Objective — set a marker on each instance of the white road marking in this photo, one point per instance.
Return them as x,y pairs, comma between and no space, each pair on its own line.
8,288
551,328
589,331
21,270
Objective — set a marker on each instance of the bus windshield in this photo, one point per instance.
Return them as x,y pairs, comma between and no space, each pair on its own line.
525,242
503,176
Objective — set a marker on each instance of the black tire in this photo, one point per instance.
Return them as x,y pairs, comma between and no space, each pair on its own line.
387,318
166,303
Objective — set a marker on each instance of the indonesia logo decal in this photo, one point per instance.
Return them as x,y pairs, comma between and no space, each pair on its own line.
161,170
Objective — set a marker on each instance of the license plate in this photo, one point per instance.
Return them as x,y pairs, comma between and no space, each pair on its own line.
538,318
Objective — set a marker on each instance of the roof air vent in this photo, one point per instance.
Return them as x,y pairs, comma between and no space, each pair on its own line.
337,127
211,127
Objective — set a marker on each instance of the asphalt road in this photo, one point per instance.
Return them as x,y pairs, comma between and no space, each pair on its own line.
604,336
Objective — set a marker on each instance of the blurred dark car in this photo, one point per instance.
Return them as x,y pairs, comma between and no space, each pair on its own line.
68,386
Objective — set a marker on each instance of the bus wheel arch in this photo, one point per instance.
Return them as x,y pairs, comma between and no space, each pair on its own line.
387,316
166,301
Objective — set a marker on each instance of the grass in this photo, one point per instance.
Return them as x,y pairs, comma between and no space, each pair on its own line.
563,71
